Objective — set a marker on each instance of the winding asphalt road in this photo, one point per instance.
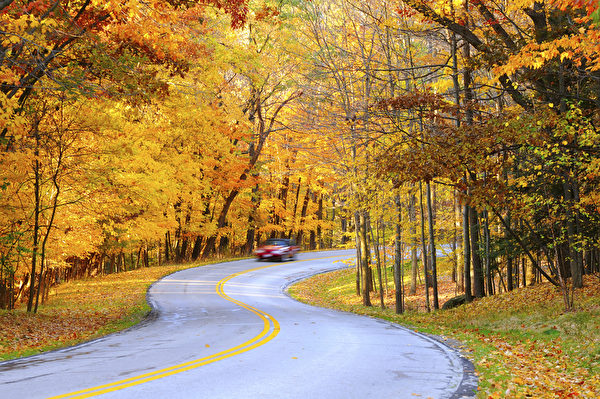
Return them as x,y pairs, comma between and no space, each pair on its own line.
229,331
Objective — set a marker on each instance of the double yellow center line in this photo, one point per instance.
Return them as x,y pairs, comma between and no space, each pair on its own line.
270,330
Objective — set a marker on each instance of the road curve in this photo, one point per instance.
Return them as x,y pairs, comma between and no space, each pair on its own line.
229,331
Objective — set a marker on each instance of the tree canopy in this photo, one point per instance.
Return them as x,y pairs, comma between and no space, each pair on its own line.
146,132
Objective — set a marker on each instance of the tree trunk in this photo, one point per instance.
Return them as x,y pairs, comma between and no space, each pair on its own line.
436,304
399,261
344,227
378,257
456,275
320,219
488,263
412,218
36,226
478,281
509,258
573,254
209,249
359,267
467,253
424,257
366,282
197,247
50,224
251,232
167,249
299,236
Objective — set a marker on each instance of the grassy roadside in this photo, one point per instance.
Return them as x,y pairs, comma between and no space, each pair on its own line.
78,311
522,343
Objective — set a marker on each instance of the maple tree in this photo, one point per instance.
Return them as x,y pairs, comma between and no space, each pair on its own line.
55,56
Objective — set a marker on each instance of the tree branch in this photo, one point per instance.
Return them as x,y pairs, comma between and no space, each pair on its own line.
5,3
523,247
468,36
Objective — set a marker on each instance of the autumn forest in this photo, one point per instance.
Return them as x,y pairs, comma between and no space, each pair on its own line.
138,133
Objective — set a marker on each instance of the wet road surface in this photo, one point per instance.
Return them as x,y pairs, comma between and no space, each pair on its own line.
229,331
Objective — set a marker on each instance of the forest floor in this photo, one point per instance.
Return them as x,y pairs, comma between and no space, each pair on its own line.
523,343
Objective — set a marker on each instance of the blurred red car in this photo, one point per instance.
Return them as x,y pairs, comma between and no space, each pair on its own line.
277,248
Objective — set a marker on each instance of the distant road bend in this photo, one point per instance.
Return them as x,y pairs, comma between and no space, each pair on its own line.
229,331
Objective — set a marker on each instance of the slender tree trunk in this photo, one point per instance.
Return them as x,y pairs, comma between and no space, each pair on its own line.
399,261
167,248
359,267
466,256
313,237
295,207
299,236
467,253
488,264
50,225
455,271
36,224
573,255
436,304
381,237
379,274
320,219
344,228
366,282
478,281
424,251
509,259
412,216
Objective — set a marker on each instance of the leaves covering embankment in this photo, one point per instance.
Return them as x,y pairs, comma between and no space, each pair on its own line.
522,343
78,311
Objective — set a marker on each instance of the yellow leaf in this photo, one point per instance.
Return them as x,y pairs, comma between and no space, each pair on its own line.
518,381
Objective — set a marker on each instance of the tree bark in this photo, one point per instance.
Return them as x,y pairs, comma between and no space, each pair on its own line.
424,256
359,267
478,280
209,249
299,236
467,253
509,259
366,282
399,261
488,264
36,222
378,257
412,218
573,254
436,303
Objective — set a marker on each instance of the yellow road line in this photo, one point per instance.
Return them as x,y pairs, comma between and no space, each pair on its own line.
263,337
